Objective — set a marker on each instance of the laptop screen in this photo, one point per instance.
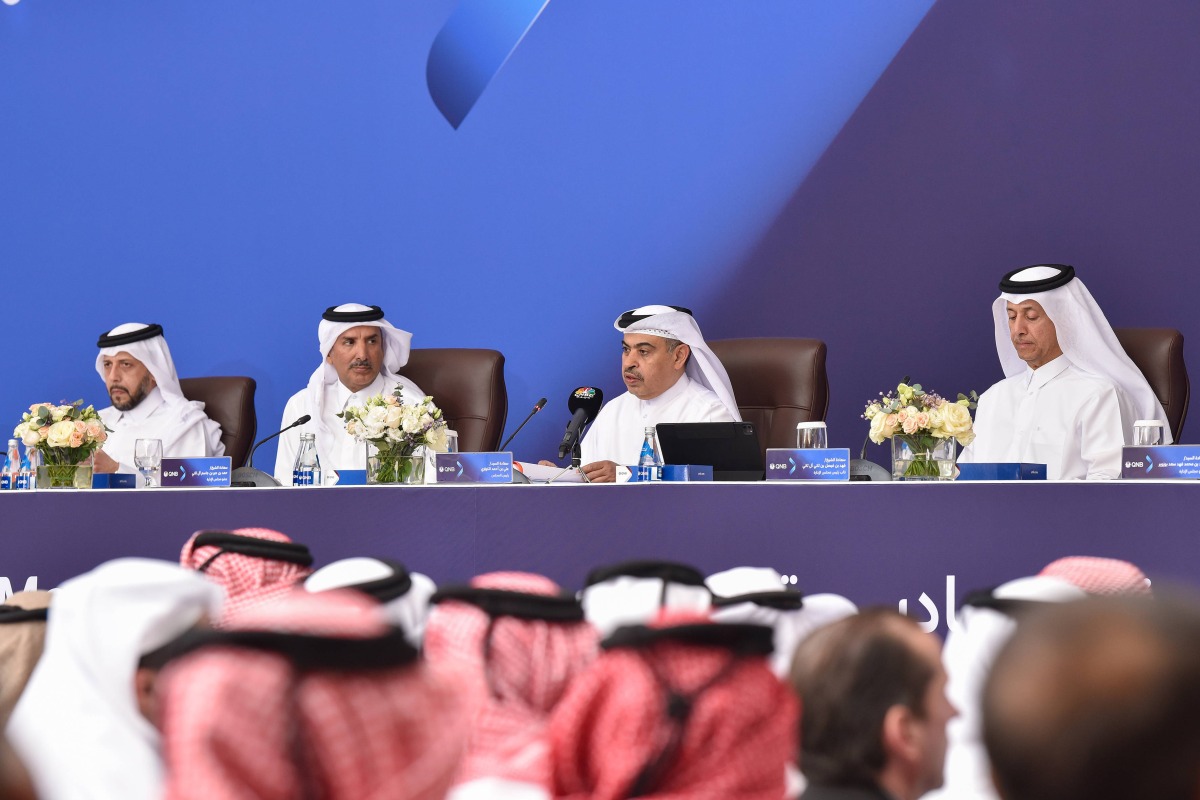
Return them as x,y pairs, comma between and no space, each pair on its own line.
731,448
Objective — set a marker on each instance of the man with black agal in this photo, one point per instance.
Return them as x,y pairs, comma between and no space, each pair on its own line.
1071,394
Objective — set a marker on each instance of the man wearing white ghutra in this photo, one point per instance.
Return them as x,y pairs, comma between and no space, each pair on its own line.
1071,394
361,354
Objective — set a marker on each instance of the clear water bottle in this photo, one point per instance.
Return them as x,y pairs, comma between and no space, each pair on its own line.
650,462
307,471
25,476
12,466
34,456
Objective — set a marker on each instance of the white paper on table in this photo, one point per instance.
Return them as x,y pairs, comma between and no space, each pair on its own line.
540,473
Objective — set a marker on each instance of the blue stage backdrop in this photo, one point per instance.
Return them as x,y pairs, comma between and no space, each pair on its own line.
859,172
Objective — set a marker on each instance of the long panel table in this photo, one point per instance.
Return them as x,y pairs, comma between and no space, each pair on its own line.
875,543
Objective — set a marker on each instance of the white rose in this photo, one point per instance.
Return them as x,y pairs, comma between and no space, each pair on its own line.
412,423
57,413
60,433
878,428
956,420
394,415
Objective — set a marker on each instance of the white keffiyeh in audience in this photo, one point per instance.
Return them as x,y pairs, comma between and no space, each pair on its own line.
758,596
78,726
164,413
634,592
1063,413
403,595
702,393
985,623
325,394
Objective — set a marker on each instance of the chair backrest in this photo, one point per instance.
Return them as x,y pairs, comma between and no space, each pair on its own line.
228,401
1158,353
468,385
777,383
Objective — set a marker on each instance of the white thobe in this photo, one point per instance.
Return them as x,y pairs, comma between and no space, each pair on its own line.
1057,415
185,431
620,428
343,452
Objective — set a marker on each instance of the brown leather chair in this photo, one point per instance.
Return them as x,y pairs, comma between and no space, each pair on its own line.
1158,353
777,383
468,385
228,401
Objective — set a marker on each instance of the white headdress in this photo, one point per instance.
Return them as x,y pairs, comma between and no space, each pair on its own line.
146,344
77,726
334,322
634,592
758,596
675,322
1084,335
404,595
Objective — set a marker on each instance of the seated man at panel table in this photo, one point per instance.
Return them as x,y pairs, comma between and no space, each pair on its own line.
361,353
1071,394
672,376
147,403
873,709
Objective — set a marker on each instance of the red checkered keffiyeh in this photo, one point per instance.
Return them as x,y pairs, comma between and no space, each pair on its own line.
736,739
516,670
248,580
1102,576
242,724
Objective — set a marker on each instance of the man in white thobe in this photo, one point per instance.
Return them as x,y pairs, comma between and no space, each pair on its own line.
361,353
671,375
1071,393
147,403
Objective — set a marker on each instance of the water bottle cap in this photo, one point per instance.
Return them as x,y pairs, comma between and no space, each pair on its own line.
800,426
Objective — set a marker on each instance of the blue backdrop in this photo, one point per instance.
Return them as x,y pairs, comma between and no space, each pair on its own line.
860,172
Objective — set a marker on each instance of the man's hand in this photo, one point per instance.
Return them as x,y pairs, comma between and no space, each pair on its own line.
600,471
102,463
546,463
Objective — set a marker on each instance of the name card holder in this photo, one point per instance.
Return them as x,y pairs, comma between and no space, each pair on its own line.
473,468
1163,462
808,464
114,480
213,471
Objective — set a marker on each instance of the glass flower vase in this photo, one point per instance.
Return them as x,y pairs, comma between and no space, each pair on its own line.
385,469
65,476
922,458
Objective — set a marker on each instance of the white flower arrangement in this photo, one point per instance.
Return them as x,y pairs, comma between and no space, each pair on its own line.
922,415
394,427
63,434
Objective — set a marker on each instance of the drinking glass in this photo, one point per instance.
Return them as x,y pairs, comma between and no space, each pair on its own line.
1148,432
147,457
812,435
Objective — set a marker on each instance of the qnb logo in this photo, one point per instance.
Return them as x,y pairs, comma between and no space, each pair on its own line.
6,589
1147,465
930,625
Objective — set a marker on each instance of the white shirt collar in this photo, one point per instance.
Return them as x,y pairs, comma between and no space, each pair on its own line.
670,394
1047,372
142,410
344,396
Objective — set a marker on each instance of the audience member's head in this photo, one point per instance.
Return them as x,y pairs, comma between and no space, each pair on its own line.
634,592
757,595
515,643
1098,699
313,695
404,595
22,636
872,690
1099,576
684,708
253,566
85,725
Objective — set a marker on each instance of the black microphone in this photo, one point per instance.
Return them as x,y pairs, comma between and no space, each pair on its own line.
540,405
584,402
248,475
250,458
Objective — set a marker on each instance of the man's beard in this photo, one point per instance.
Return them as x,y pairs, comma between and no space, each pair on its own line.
133,398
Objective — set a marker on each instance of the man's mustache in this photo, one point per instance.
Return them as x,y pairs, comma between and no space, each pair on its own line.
633,373
360,362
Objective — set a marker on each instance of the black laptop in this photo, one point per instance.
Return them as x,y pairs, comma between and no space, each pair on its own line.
731,448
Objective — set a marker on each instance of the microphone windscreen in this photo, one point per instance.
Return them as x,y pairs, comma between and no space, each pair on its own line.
302,420
588,398
540,404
